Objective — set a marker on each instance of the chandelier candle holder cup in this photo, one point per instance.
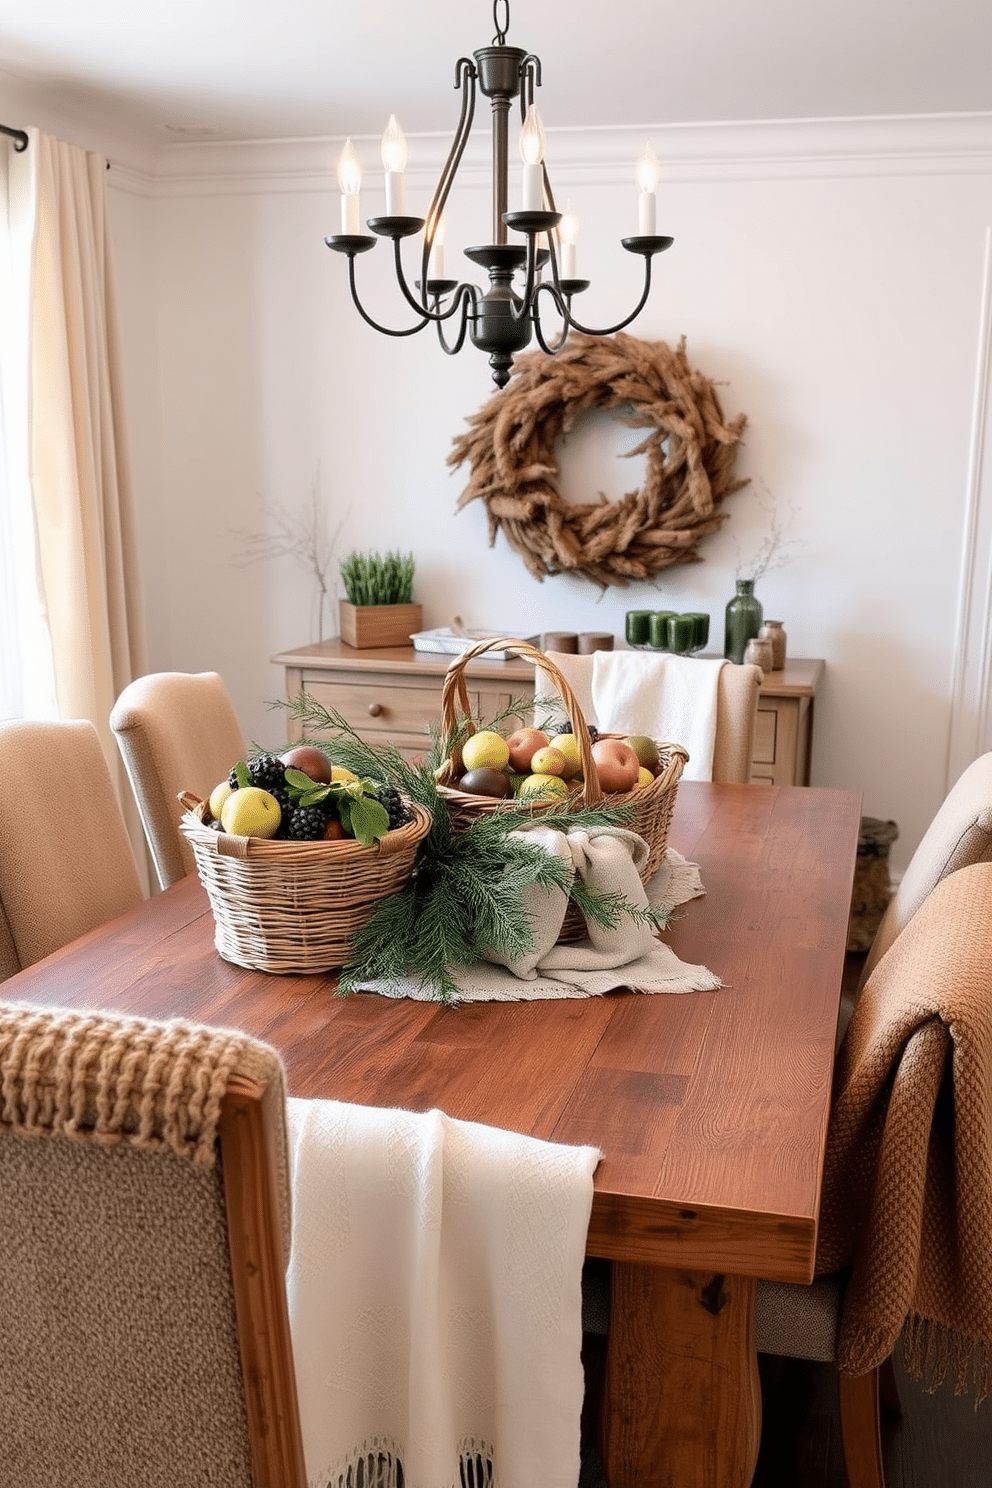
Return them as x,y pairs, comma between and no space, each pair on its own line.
503,320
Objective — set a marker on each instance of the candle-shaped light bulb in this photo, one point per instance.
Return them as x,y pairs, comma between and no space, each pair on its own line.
350,182
532,155
648,173
435,266
568,233
394,155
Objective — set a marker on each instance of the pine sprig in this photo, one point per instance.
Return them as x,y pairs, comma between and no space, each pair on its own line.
466,889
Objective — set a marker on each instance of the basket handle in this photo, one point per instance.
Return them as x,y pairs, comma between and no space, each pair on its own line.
454,700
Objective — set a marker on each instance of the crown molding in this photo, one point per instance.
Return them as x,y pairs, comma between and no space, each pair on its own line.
908,145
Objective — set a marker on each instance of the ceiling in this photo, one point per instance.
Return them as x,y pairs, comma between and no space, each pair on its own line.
254,69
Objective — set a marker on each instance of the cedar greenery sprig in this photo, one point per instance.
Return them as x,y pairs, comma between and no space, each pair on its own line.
466,888
374,579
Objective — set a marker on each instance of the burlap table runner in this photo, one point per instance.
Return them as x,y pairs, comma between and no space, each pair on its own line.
907,1200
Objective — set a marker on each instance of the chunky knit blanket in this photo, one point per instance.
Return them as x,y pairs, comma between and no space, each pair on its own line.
907,1200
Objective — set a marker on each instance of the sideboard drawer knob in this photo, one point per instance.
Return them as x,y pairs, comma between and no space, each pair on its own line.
375,709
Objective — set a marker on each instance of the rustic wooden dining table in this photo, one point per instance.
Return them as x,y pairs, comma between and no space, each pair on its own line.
710,1108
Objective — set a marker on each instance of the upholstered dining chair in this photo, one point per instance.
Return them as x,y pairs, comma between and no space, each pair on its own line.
959,835
177,731
66,863
738,688
144,1335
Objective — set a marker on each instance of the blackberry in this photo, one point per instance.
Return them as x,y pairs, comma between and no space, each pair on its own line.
265,771
396,808
306,823
566,728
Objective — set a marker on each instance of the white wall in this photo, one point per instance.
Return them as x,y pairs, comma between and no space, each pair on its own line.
830,276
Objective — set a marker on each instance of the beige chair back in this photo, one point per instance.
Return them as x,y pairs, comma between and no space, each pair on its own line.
959,835
736,710
144,1334
177,731
66,863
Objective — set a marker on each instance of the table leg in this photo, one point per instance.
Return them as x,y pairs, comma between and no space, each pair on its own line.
682,1403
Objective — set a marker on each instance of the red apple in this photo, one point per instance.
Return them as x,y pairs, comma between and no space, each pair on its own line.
310,760
523,745
616,765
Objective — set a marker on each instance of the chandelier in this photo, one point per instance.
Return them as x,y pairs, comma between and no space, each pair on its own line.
503,320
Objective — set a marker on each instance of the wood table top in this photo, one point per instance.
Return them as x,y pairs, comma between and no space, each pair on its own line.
710,1107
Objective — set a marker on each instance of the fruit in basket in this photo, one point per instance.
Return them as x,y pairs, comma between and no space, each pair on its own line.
339,774
566,728
266,771
616,765
394,805
218,796
306,823
568,745
311,760
485,782
523,744
486,749
646,750
644,776
537,788
549,761
251,812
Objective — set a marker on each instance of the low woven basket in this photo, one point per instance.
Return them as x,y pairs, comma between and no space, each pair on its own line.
653,804
294,906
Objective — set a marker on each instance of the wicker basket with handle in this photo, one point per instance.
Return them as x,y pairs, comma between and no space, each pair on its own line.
653,804
294,906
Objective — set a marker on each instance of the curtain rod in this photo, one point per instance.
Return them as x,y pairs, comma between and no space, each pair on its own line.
17,135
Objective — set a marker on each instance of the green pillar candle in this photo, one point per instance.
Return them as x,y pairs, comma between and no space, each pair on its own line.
659,629
702,627
637,627
681,633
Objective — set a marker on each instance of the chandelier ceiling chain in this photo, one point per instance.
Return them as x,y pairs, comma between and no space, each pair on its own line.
504,319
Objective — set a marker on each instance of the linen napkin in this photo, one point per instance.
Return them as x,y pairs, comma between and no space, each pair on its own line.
435,1299
631,956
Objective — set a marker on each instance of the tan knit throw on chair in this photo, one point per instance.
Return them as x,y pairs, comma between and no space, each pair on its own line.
907,1199
108,1078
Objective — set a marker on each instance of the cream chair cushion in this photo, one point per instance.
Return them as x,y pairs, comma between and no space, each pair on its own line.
66,863
959,835
177,731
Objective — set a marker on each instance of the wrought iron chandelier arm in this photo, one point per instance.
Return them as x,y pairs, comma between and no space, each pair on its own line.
465,76
572,323
551,348
385,330
421,306
468,297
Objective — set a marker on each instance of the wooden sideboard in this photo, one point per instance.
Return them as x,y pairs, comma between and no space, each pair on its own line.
394,694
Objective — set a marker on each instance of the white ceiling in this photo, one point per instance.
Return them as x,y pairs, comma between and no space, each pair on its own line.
263,69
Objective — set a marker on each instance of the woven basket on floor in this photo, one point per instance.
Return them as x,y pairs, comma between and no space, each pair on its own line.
653,804
294,906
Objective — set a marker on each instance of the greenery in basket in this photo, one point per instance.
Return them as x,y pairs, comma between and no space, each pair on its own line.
466,887
374,579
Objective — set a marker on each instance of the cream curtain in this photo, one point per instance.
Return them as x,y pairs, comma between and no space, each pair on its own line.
86,563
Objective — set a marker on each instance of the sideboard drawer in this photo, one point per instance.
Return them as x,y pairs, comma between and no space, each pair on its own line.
380,707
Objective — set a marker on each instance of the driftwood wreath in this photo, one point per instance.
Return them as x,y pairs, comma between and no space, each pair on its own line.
690,451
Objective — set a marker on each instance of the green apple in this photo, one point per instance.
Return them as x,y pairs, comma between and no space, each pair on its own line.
251,812
646,750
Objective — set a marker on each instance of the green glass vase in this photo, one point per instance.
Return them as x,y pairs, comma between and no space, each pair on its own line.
743,620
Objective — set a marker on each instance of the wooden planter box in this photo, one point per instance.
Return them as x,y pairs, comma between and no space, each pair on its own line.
367,626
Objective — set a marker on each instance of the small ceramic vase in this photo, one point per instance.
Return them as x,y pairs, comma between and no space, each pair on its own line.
773,631
759,653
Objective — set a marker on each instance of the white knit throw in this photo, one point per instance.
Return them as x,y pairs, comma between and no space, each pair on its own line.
435,1299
